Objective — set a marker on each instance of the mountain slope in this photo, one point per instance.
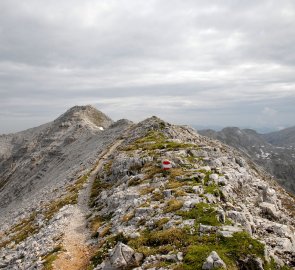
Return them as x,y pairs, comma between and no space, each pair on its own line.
212,200
285,137
278,160
40,162
213,208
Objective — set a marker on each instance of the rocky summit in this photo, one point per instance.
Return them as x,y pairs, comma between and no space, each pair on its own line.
84,192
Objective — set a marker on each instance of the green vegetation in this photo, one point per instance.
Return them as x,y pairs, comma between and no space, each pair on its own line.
71,197
134,182
56,205
231,249
174,172
173,205
27,227
128,216
164,241
21,231
105,231
150,170
207,176
147,190
103,249
108,166
272,265
78,184
50,258
159,224
96,222
191,159
158,196
94,225
212,189
179,193
156,140
173,184
203,213
97,187
197,248
98,257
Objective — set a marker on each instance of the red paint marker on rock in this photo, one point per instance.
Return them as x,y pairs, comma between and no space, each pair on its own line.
166,165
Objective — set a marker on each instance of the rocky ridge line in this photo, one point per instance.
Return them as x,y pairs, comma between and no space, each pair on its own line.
34,214
212,206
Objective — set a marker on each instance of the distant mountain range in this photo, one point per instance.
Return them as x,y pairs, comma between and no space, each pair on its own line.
274,151
261,130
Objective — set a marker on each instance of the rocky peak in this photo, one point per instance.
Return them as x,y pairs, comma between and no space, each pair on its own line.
152,122
85,114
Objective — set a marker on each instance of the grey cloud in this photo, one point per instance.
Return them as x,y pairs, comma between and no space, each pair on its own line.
187,61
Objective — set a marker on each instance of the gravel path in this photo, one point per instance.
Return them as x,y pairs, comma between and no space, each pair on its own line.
76,255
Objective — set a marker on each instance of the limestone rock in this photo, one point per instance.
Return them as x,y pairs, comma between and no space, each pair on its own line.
213,261
123,256
228,231
269,210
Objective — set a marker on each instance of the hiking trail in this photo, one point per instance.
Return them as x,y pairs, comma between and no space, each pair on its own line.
76,252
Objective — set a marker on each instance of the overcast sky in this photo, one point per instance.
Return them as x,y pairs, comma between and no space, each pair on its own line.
206,63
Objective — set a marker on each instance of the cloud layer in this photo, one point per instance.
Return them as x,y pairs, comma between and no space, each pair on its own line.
191,62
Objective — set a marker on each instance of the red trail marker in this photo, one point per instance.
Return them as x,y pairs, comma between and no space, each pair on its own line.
166,165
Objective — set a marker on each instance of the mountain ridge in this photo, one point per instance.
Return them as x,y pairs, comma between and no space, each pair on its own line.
277,159
103,195
282,137
45,153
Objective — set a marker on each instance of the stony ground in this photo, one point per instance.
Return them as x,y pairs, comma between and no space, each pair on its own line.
212,209
32,222
76,235
276,158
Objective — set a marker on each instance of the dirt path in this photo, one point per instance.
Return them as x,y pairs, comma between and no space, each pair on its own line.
76,255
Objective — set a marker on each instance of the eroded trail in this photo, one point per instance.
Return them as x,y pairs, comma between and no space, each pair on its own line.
76,255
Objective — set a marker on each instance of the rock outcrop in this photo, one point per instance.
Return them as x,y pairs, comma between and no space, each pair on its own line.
275,152
211,200
213,261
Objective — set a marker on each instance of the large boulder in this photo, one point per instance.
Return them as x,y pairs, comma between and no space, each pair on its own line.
269,211
269,195
240,218
123,256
